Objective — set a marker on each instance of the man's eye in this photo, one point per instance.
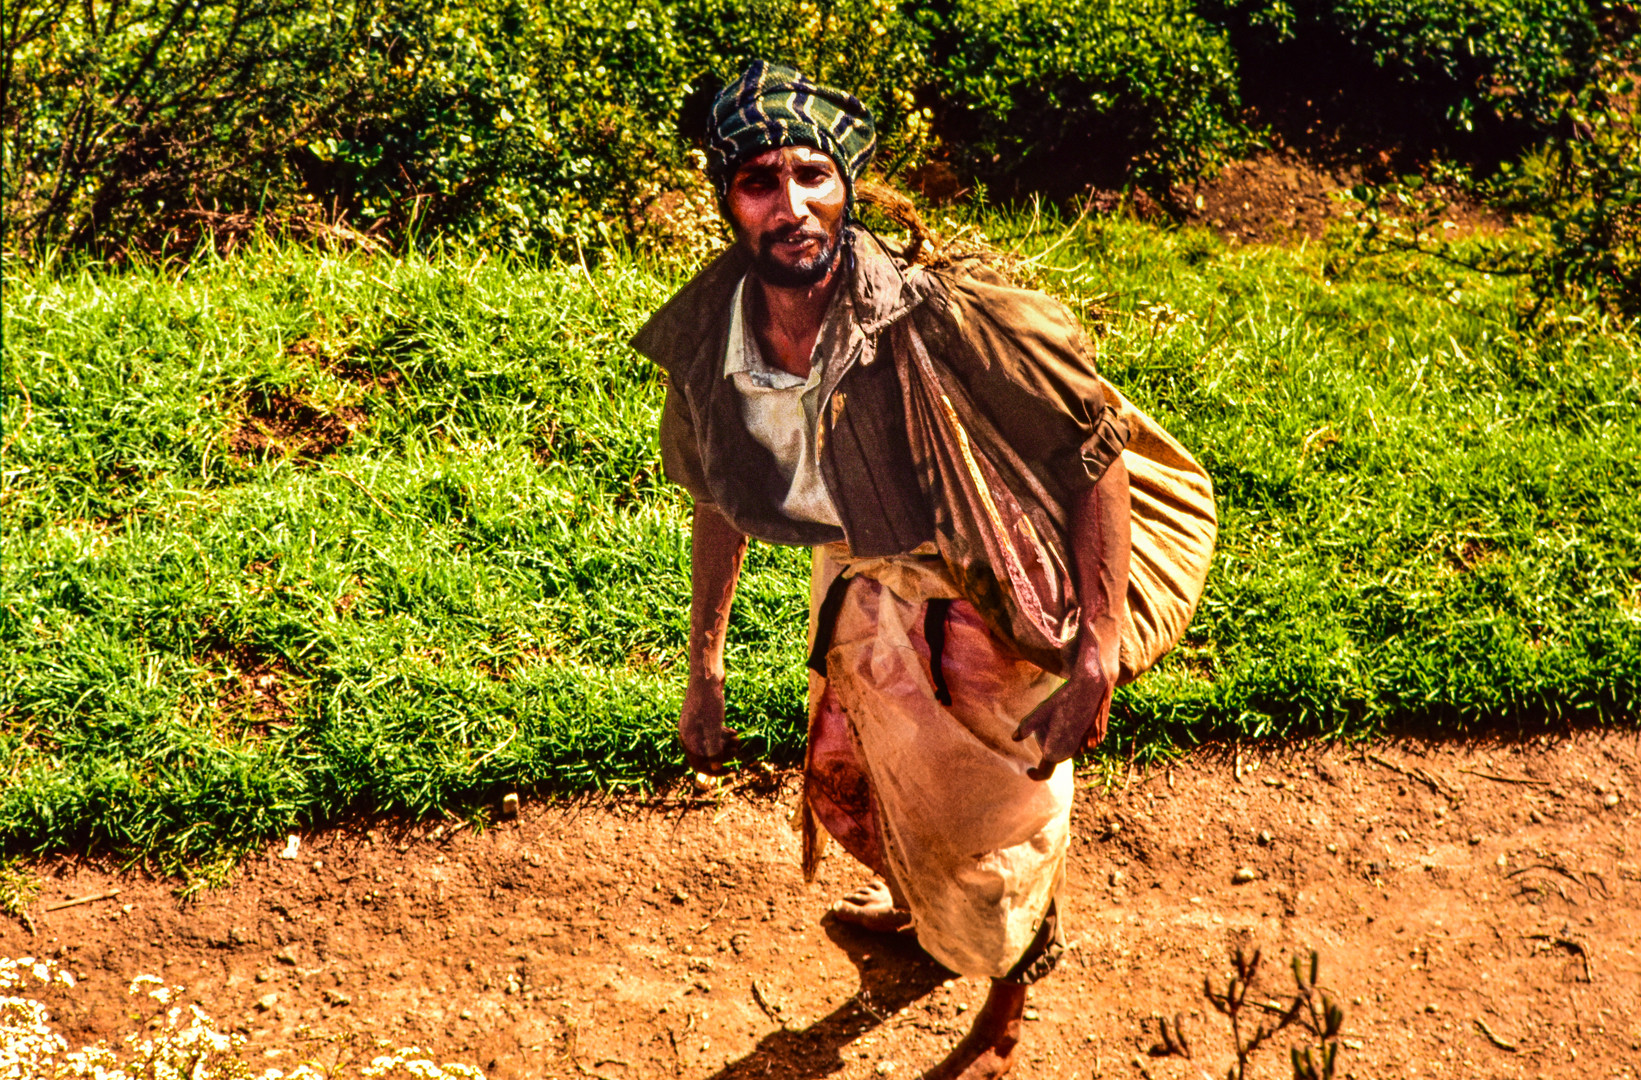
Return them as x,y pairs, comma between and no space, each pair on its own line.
814,177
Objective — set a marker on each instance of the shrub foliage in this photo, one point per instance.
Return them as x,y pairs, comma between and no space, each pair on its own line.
1578,195
1102,90
1468,75
147,124
541,126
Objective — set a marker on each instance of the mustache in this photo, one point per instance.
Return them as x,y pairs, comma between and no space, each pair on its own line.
804,272
791,232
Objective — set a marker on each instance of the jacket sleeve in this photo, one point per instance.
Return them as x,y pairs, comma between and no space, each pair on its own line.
680,452
1024,360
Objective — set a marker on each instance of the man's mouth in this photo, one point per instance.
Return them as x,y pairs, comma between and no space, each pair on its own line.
795,257
796,241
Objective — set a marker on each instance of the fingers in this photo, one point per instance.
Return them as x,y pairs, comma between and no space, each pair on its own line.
708,744
710,752
1072,719
1031,725
1096,731
707,766
1041,720
1054,731
1052,756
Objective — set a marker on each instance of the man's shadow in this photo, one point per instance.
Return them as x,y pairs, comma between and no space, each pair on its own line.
893,971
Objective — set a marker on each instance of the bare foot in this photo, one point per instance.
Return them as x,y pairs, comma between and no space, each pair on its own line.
987,1051
872,907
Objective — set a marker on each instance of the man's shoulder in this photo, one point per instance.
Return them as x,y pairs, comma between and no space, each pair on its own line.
691,327
974,297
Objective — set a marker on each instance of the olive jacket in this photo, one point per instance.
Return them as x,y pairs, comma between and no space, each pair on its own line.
1016,355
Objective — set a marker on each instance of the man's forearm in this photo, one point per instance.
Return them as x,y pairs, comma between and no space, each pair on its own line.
1100,534
1075,716
716,551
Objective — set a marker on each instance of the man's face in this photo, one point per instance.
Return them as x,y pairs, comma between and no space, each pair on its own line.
787,207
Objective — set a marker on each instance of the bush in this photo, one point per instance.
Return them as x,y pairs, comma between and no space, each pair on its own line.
506,124
563,127
1585,187
1577,201
522,126
1477,76
1036,93
184,112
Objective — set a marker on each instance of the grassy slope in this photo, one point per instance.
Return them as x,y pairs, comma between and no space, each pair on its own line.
1424,517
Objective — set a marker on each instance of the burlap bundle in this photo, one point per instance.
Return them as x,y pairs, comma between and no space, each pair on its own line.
1002,535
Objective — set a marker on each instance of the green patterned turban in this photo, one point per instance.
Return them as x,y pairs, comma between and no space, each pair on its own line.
771,106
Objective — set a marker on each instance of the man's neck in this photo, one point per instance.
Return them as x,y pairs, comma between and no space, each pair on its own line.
787,321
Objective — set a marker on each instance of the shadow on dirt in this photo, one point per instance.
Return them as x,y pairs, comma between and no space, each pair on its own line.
893,972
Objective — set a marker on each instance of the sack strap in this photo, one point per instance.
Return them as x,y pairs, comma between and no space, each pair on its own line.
826,623
934,632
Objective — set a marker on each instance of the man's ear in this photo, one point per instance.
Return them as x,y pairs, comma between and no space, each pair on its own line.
722,189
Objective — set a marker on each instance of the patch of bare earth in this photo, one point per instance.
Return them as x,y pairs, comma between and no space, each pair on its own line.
279,423
1286,196
1446,888
288,423
256,690
337,359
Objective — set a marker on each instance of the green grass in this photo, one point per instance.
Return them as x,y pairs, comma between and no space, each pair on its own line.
1427,520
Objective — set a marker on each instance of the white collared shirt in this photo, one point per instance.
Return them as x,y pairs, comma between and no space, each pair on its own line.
781,410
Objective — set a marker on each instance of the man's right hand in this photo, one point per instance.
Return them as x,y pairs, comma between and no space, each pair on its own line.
716,550
708,744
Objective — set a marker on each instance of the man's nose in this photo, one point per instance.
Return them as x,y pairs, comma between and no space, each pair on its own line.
797,200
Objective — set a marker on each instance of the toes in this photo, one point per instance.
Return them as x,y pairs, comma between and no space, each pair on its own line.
868,894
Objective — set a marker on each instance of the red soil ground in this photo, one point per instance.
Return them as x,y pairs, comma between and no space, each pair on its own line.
1286,196
1445,887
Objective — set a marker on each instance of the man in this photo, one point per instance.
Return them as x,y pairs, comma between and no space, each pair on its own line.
939,755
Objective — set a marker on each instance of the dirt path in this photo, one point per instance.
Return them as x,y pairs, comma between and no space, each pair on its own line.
1441,885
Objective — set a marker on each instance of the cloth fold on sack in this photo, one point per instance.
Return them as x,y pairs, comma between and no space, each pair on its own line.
1004,533
1171,539
935,798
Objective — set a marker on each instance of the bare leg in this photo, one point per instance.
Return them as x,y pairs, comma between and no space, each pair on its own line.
872,907
987,1051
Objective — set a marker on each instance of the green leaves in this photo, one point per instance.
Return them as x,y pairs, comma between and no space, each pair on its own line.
1106,90
566,128
1481,76
544,128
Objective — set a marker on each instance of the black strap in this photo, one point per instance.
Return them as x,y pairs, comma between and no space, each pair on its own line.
934,632
826,622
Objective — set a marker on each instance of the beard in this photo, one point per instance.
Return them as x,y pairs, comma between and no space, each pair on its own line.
803,273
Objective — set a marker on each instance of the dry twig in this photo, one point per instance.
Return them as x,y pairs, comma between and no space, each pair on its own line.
1572,945
1498,1041
78,900
770,1010
369,494
28,414
1420,775
1505,779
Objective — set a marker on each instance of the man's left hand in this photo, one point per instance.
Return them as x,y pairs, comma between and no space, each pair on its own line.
1074,717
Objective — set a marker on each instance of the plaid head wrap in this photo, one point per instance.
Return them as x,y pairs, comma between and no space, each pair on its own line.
771,106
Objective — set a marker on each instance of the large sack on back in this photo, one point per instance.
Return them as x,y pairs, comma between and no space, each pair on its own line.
1003,535
1174,526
